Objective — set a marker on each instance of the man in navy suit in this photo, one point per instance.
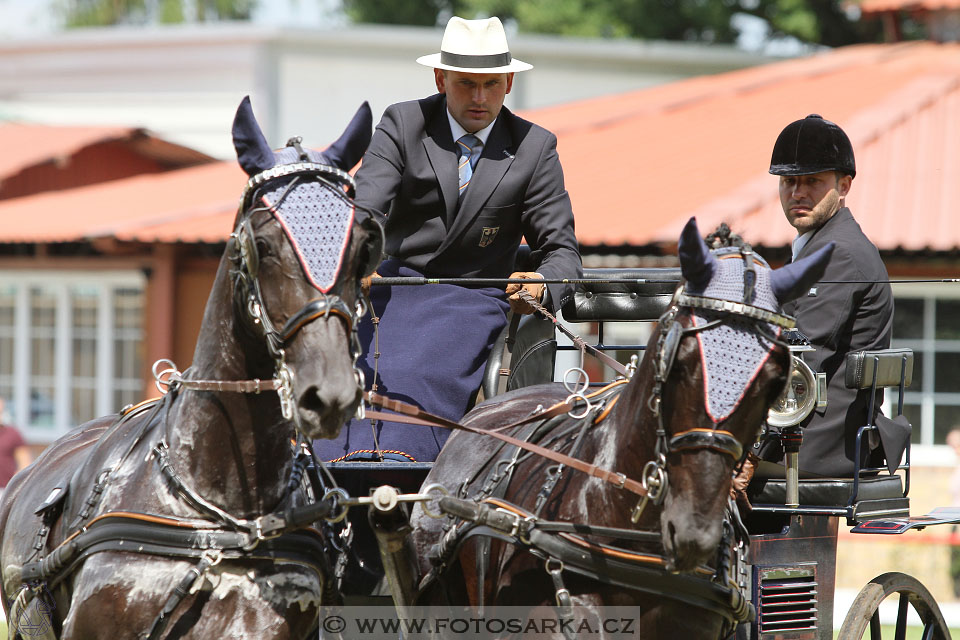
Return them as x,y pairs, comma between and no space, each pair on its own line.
457,180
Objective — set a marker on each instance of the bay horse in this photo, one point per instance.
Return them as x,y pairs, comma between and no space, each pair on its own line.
174,519
526,530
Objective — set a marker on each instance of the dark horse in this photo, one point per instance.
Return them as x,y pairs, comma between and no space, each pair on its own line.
533,532
157,523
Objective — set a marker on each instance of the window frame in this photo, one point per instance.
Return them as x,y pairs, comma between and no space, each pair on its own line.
61,283
926,452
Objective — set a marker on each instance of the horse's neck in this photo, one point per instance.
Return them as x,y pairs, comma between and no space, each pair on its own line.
627,441
232,448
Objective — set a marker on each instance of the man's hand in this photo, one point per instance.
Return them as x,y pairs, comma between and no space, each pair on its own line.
534,289
365,282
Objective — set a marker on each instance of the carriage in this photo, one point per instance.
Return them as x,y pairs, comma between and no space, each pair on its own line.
203,514
788,573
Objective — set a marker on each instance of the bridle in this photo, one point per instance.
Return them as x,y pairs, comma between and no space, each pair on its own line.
248,295
671,332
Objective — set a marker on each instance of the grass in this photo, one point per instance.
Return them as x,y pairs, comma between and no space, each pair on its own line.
913,633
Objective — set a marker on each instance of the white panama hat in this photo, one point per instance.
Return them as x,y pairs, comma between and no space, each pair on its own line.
474,46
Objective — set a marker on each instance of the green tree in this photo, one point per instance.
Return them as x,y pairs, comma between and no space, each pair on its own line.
426,13
86,13
813,21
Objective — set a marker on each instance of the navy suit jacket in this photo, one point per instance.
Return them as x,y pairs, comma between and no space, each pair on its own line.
409,174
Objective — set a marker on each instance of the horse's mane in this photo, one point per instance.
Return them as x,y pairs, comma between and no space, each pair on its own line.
724,237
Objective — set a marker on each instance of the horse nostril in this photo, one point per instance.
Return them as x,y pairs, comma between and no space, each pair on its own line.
327,407
311,401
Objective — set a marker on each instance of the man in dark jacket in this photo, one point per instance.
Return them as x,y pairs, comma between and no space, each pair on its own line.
457,180
815,162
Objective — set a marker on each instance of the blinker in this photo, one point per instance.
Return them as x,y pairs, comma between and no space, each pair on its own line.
669,350
248,248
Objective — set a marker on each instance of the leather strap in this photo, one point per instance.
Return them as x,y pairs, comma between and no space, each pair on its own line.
718,440
617,479
509,343
736,308
239,386
577,340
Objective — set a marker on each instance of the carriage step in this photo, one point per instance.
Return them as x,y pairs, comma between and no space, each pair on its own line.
940,515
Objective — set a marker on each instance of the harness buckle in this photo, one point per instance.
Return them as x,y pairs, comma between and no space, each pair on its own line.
515,525
622,480
214,556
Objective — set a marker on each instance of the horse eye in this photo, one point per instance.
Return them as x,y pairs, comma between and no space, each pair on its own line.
264,249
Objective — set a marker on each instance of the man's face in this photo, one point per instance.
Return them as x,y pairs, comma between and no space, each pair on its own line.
474,99
809,201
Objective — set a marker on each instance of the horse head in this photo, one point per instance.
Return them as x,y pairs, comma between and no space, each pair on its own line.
719,366
298,253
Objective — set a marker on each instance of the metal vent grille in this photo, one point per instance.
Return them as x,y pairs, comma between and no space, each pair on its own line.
788,599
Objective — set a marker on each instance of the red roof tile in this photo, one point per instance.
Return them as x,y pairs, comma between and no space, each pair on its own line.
188,205
638,165
880,6
25,145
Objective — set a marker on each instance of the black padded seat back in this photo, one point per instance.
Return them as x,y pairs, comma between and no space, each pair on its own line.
639,295
533,357
643,294
886,365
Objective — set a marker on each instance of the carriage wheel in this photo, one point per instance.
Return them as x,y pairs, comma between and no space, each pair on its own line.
864,613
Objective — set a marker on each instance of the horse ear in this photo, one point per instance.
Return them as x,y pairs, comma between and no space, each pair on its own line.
697,263
350,146
253,152
792,280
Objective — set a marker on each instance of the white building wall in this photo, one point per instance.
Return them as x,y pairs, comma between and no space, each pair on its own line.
185,82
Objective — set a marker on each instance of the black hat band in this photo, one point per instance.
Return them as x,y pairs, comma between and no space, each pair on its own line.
475,62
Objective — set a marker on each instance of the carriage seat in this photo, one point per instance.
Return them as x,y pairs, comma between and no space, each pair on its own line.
525,352
630,300
874,497
832,492
872,491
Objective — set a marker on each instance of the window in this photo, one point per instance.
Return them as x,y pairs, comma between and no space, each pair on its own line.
927,320
71,347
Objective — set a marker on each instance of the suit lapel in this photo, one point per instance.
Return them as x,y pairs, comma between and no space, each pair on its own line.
439,146
495,159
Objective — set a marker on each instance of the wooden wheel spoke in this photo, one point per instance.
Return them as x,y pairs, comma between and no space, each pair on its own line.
875,630
901,632
865,611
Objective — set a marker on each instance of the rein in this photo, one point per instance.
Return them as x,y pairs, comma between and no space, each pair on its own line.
411,414
579,342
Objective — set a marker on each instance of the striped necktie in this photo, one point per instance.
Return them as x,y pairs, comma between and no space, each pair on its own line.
469,147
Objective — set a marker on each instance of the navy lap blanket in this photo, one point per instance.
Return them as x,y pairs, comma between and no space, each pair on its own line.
434,341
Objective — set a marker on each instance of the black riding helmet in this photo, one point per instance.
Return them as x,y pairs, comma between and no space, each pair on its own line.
810,146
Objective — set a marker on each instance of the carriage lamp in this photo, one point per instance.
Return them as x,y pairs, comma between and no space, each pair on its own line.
804,392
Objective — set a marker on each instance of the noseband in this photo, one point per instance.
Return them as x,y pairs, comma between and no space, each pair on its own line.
249,295
671,333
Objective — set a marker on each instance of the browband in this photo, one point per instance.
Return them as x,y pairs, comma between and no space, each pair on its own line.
295,168
738,308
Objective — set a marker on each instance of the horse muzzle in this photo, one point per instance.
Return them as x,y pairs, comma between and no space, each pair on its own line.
688,540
